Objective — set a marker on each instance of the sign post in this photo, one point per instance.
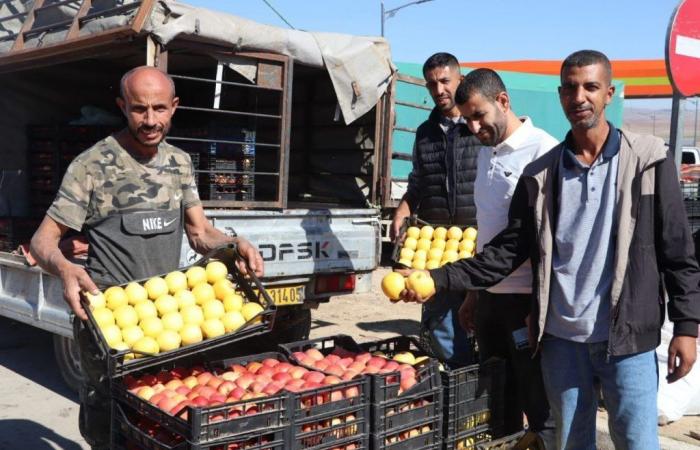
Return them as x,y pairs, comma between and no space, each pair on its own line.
683,64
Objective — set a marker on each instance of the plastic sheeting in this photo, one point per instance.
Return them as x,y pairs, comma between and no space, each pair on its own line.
359,66
682,397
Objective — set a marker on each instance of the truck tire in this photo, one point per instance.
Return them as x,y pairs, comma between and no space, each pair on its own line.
68,361
292,323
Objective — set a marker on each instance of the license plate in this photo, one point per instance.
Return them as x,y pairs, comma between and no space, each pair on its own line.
291,295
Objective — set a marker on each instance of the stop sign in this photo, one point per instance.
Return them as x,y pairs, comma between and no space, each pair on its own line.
683,48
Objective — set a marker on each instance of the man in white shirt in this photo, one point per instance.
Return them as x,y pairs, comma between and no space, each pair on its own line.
498,315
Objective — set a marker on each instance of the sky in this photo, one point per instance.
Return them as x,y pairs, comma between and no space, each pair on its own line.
486,30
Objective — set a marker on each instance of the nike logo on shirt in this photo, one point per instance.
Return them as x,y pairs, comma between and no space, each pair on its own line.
156,223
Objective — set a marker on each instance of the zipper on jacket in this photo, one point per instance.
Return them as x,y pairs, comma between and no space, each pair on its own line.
613,319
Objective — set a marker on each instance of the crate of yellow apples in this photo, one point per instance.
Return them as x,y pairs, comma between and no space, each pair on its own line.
178,314
424,246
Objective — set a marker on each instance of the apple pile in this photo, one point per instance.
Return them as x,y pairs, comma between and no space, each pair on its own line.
475,420
408,434
430,248
394,283
348,365
173,390
166,313
469,443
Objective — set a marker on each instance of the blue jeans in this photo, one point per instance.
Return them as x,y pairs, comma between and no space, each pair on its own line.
629,384
441,330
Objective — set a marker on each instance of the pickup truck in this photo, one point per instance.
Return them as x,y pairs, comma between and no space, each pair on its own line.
690,172
286,130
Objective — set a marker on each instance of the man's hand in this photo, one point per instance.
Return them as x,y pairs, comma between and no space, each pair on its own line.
417,293
76,280
467,311
396,224
250,254
683,348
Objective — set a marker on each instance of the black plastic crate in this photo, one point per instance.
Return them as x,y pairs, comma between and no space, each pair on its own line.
518,441
469,440
249,286
398,243
320,422
128,434
419,435
212,423
473,398
413,412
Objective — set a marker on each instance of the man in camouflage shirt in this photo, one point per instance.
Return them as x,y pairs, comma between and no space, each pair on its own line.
131,194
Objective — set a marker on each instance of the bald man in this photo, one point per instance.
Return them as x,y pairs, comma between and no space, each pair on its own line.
111,192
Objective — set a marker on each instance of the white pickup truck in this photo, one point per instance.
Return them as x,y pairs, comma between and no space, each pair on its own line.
289,142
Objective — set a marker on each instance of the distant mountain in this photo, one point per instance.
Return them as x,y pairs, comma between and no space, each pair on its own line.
658,123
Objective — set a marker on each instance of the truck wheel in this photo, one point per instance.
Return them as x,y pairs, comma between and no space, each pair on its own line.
292,323
68,360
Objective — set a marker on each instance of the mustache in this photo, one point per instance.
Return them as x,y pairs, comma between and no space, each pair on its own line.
148,129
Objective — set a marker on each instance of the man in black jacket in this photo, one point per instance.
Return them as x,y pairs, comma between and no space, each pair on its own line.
602,219
441,191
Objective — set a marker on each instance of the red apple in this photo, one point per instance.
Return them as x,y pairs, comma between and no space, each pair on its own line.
199,401
272,389
167,404
226,387
332,359
407,383
217,399
335,369
266,371
237,393
254,366
314,354
204,377
196,370
184,390
244,381
352,391
321,365
314,376
336,395
331,379
215,382
180,372
238,368
282,377
156,398
370,370
283,367
149,380
297,383
363,357
270,362
180,408
377,361
348,375
174,383
230,375
257,386
345,362
307,361
391,365
297,372
356,366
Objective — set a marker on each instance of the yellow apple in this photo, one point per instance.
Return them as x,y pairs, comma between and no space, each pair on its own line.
420,254
96,301
213,309
413,232
440,233
411,243
216,270
195,276
233,302
392,285
146,309
420,359
191,333
112,334
432,264
422,283
423,244
470,234
466,246
176,281
464,254
418,264
132,334
172,321
251,310
406,253
168,340
452,244
212,328
426,232
135,293
435,253
156,287
405,262
147,345
115,297
151,326
203,292
165,304
438,244
185,297
103,317
454,233
450,256
222,288
232,320
405,358
192,314
126,316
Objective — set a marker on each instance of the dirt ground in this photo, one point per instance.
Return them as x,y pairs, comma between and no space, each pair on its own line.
38,412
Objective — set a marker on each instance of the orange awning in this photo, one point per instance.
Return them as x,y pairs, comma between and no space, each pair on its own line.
643,78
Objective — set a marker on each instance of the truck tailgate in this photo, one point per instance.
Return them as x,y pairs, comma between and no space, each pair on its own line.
302,242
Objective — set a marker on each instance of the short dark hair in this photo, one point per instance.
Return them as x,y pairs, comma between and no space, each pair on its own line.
440,59
583,58
483,81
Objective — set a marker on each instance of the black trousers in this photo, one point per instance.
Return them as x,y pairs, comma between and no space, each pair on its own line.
497,317
95,399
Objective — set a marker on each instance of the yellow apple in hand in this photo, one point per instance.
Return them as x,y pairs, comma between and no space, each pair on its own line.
421,283
392,285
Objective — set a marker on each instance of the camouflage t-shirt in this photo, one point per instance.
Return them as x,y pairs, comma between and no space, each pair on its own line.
106,180
130,211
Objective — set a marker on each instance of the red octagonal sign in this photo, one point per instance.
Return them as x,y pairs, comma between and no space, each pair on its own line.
683,48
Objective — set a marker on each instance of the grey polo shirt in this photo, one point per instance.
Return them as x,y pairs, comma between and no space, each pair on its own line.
584,245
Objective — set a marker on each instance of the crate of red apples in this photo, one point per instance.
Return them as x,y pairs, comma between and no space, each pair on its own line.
406,408
238,403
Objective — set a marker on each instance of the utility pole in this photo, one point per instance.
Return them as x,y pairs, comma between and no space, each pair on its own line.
387,14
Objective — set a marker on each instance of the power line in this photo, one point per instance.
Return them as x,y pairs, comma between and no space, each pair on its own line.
279,14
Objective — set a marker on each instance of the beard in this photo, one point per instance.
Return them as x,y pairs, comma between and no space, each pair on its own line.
136,134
